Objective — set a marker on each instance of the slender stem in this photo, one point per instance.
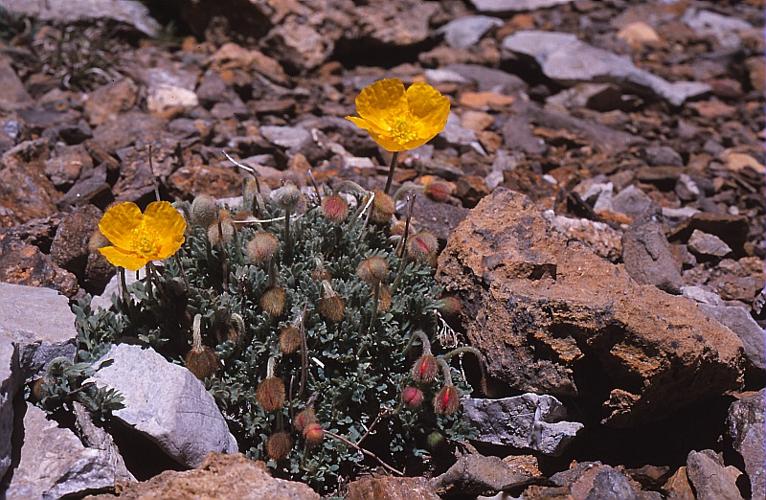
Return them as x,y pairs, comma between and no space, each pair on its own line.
224,260
180,263
315,186
304,355
154,178
391,168
366,452
479,357
124,288
288,241
383,413
418,334
197,332
374,308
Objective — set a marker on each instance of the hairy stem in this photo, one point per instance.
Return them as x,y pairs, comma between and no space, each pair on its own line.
391,168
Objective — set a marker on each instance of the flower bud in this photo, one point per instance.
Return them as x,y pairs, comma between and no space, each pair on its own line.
270,393
273,301
449,306
332,308
287,197
304,418
422,247
313,433
204,210
335,208
289,339
425,369
412,397
279,445
397,228
438,190
383,208
447,400
372,270
435,441
223,233
262,247
202,361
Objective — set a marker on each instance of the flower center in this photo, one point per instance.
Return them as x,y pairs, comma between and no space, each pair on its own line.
402,130
144,243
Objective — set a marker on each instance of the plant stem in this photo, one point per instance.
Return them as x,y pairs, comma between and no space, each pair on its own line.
391,168
366,452
288,240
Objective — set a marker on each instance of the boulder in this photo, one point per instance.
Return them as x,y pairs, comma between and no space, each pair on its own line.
166,403
224,477
527,422
710,478
739,321
648,258
27,343
590,480
746,427
54,463
391,488
547,311
476,474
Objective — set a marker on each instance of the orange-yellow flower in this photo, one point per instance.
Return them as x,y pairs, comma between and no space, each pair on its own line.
399,120
138,238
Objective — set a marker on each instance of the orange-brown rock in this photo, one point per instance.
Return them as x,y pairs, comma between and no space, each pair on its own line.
553,317
391,488
220,477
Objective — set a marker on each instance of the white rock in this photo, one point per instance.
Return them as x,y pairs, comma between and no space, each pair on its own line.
166,403
515,5
464,32
165,97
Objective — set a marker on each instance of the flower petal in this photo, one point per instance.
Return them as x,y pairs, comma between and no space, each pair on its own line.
382,101
364,124
121,258
387,142
166,226
429,108
119,222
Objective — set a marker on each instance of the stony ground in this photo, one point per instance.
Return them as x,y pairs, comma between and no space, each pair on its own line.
598,192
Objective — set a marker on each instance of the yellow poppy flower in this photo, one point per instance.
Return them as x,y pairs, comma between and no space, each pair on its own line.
139,238
399,120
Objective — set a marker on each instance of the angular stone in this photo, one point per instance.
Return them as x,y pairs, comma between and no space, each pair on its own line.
67,164
541,308
54,463
591,480
391,488
476,474
166,99
440,219
705,244
70,245
732,229
530,421
27,342
108,101
221,477
14,95
724,28
631,201
746,427
567,60
130,12
678,487
24,188
739,321
126,129
464,32
647,256
598,236
292,138
24,264
710,478
166,403
515,5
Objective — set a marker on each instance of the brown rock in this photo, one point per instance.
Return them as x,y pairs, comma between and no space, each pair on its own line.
24,264
710,478
234,57
298,45
67,164
732,229
678,487
712,109
648,258
527,292
14,95
476,120
475,474
756,67
437,218
391,488
215,180
220,477
70,245
108,101
470,189
588,480
24,188
638,34
485,100
127,129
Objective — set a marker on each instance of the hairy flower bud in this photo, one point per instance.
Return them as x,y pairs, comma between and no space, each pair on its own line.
372,270
202,361
222,232
412,397
289,339
435,441
335,208
438,190
279,445
383,208
273,301
425,369
332,308
450,306
270,393
313,433
287,197
447,400
204,210
262,247
422,247
304,418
